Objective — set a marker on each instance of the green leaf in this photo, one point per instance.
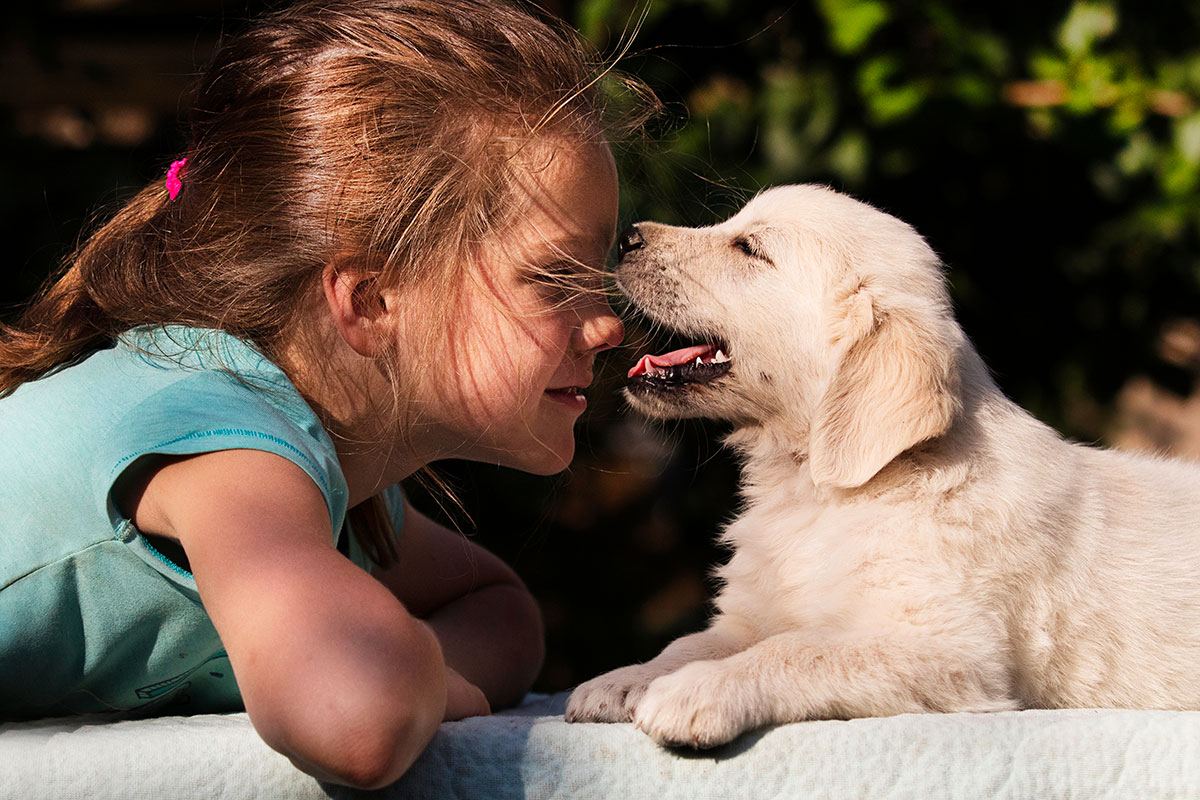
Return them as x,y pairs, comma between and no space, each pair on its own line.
889,102
1180,176
850,156
1086,24
592,18
853,22
1187,138
973,89
1047,67
1138,155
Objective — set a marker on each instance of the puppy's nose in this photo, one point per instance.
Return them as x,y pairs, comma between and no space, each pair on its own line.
630,239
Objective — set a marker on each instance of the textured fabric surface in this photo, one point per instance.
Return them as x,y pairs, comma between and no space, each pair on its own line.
532,752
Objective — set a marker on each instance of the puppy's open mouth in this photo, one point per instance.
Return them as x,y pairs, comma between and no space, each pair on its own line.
689,365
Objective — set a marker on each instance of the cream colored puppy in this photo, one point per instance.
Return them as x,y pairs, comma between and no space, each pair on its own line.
910,540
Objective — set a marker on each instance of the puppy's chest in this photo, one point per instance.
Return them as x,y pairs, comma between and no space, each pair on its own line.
805,566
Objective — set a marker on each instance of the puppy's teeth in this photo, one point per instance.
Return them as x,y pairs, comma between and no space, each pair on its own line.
699,361
720,358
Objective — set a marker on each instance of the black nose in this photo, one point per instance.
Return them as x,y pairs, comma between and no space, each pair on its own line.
630,239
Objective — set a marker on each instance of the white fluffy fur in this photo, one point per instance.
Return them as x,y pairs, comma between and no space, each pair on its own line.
910,539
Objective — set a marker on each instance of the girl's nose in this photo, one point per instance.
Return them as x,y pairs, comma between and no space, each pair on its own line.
599,329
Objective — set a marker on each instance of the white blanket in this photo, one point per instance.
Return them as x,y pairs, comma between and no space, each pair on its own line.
532,752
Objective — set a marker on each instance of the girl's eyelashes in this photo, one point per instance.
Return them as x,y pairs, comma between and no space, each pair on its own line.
559,270
566,280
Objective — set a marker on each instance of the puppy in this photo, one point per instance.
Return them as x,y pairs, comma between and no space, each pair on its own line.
910,540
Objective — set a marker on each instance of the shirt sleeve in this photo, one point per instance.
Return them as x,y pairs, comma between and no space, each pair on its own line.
211,410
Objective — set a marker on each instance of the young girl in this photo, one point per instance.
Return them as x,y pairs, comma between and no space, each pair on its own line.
380,249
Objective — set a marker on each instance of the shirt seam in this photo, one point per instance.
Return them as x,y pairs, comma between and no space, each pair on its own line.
178,570
197,435
52,562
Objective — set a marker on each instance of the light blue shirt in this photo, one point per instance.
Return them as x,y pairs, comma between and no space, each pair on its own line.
92,616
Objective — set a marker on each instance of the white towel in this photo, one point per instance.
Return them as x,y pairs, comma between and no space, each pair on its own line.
531,752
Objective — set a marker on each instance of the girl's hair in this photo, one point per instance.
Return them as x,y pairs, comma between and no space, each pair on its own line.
380,131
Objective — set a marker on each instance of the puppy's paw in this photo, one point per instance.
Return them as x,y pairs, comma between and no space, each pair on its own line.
611,697
700,705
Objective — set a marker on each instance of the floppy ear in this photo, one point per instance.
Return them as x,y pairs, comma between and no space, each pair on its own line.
894,388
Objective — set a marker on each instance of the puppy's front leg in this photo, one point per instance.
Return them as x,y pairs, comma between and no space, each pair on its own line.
790,677
614,696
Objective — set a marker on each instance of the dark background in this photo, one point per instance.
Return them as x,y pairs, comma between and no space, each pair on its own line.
1049,152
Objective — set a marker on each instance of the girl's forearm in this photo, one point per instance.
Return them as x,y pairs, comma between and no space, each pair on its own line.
493,638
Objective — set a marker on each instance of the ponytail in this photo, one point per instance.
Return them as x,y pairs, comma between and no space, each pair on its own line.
68,321
56,329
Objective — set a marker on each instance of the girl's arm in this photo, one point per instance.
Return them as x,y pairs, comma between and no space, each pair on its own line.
488,624
334,672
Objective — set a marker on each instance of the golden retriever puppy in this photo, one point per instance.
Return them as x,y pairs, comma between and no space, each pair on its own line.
910,540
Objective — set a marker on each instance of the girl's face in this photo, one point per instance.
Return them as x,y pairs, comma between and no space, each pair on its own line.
513,379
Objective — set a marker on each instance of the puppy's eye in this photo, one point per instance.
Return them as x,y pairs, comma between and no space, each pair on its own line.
748,247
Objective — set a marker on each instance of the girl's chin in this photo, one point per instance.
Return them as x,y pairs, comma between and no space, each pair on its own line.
545,460
548,466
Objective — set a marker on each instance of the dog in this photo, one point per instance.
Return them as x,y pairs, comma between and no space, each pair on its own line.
910,540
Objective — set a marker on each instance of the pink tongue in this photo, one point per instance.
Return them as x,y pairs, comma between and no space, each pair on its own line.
685,356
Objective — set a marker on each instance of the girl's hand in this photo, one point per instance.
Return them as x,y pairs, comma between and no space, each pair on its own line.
463,698
486,621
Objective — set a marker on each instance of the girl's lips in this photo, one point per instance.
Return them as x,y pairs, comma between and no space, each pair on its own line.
571,396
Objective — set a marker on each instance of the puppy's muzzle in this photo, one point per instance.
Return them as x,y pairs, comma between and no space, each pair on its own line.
631,239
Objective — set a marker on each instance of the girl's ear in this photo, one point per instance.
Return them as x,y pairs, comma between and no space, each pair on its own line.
356,307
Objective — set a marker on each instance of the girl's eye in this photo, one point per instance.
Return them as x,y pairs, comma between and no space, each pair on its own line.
557,276
558,272
566,280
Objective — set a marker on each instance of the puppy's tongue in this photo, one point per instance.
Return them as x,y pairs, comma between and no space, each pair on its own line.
673,359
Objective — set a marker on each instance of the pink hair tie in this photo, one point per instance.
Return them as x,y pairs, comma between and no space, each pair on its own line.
174,184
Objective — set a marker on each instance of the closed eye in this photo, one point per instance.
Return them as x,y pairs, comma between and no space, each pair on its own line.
748,247
566,280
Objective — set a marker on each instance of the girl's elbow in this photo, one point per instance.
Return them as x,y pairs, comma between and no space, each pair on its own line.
367,750
372,759
361,729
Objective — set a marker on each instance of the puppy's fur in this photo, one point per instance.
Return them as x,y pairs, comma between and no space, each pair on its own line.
910,539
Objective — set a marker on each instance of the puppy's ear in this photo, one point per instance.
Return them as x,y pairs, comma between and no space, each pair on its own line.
894,388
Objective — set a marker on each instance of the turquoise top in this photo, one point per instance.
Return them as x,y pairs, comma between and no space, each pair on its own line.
92,617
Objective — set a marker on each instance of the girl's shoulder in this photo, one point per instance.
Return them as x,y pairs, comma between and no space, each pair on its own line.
72,436
142,362
160,355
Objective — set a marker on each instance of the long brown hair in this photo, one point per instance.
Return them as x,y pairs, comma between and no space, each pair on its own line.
382,129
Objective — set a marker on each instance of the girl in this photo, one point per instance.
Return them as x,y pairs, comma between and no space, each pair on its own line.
381,249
